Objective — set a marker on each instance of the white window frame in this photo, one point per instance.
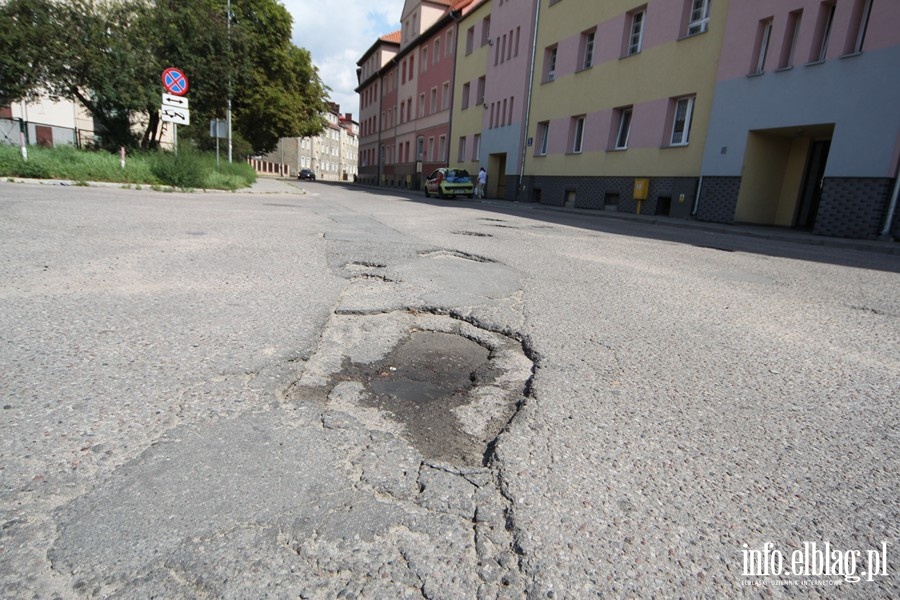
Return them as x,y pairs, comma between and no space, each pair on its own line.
552,54
543,138
636,32
765,36
861,26
623,131
824,34
698,20
578,134
685,131
587,58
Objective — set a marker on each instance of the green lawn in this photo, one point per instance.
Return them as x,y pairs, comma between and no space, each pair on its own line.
188,170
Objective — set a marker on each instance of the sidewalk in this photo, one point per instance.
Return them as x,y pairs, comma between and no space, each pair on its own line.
272,185
765,232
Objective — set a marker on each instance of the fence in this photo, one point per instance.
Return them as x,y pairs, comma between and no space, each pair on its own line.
263,167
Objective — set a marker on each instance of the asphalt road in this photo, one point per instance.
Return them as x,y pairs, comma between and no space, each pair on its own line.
255,395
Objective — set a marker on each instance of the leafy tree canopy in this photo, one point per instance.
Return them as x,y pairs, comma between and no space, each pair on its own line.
109,55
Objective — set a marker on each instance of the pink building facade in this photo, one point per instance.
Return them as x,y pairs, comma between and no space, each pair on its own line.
802,132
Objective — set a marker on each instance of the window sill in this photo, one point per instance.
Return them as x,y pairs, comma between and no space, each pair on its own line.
757,74
851,54
583,69
815,63
617,149
783,69
624,56
669,146
688,36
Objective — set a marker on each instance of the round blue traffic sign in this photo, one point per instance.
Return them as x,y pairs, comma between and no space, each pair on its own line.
175,81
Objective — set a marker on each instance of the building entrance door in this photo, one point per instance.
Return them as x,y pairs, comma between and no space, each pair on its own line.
811,190
496,186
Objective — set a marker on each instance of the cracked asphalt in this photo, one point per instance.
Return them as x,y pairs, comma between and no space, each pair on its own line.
197,400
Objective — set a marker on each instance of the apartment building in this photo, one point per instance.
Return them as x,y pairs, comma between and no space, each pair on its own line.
805,128
776,112
620,103
333,155
406,88
494,70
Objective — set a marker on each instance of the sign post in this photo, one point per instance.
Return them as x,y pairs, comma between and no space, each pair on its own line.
174,105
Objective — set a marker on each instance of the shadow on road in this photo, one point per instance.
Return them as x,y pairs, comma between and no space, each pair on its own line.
757,239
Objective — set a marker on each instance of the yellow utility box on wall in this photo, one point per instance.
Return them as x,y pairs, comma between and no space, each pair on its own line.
641,190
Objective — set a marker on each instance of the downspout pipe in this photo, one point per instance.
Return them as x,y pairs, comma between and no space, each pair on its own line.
892,208
697,198
537,15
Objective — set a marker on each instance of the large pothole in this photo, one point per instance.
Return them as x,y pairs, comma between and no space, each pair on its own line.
447,387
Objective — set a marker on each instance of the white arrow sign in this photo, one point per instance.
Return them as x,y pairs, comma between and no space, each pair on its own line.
174,101
175,115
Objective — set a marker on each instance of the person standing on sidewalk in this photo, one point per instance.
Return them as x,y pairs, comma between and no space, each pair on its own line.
482,182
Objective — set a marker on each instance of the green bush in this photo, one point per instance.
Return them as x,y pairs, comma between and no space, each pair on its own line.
183,170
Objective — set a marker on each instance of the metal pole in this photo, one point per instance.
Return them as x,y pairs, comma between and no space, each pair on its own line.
228,101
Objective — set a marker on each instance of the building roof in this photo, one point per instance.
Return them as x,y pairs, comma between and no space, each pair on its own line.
393,37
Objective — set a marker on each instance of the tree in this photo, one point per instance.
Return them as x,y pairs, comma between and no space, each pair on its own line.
109,55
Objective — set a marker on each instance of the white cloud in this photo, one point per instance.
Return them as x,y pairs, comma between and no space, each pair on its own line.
337,33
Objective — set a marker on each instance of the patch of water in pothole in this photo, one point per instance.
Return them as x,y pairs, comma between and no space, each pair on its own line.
447,387
420,383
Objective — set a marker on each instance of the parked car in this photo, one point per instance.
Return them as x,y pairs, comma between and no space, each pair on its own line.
306,174
449,182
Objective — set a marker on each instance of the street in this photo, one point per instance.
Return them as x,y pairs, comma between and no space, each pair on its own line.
327,391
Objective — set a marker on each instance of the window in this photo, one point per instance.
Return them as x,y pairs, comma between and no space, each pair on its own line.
466,90
792,32
461,155
437,50
681,123
550,63
445,96
442,148
424,61
587,49
763,35
823,32
635,33
624,128
434,106
412,62
485,30
577,134
449,44
431,155
470,40
479,91
420,148
421,105
476,147
699,17
543,138
859,22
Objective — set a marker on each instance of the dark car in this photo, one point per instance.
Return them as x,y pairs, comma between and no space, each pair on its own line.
449,182
306,174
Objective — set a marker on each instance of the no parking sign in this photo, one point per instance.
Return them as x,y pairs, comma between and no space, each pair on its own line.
175,81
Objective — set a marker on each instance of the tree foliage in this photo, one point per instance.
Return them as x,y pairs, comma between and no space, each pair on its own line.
109,55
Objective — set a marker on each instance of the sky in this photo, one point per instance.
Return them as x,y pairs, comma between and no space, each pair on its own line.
337,33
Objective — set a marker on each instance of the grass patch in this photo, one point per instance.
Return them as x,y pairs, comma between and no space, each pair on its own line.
187,170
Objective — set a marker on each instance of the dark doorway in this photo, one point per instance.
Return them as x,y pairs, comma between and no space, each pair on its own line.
811,191
663,205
